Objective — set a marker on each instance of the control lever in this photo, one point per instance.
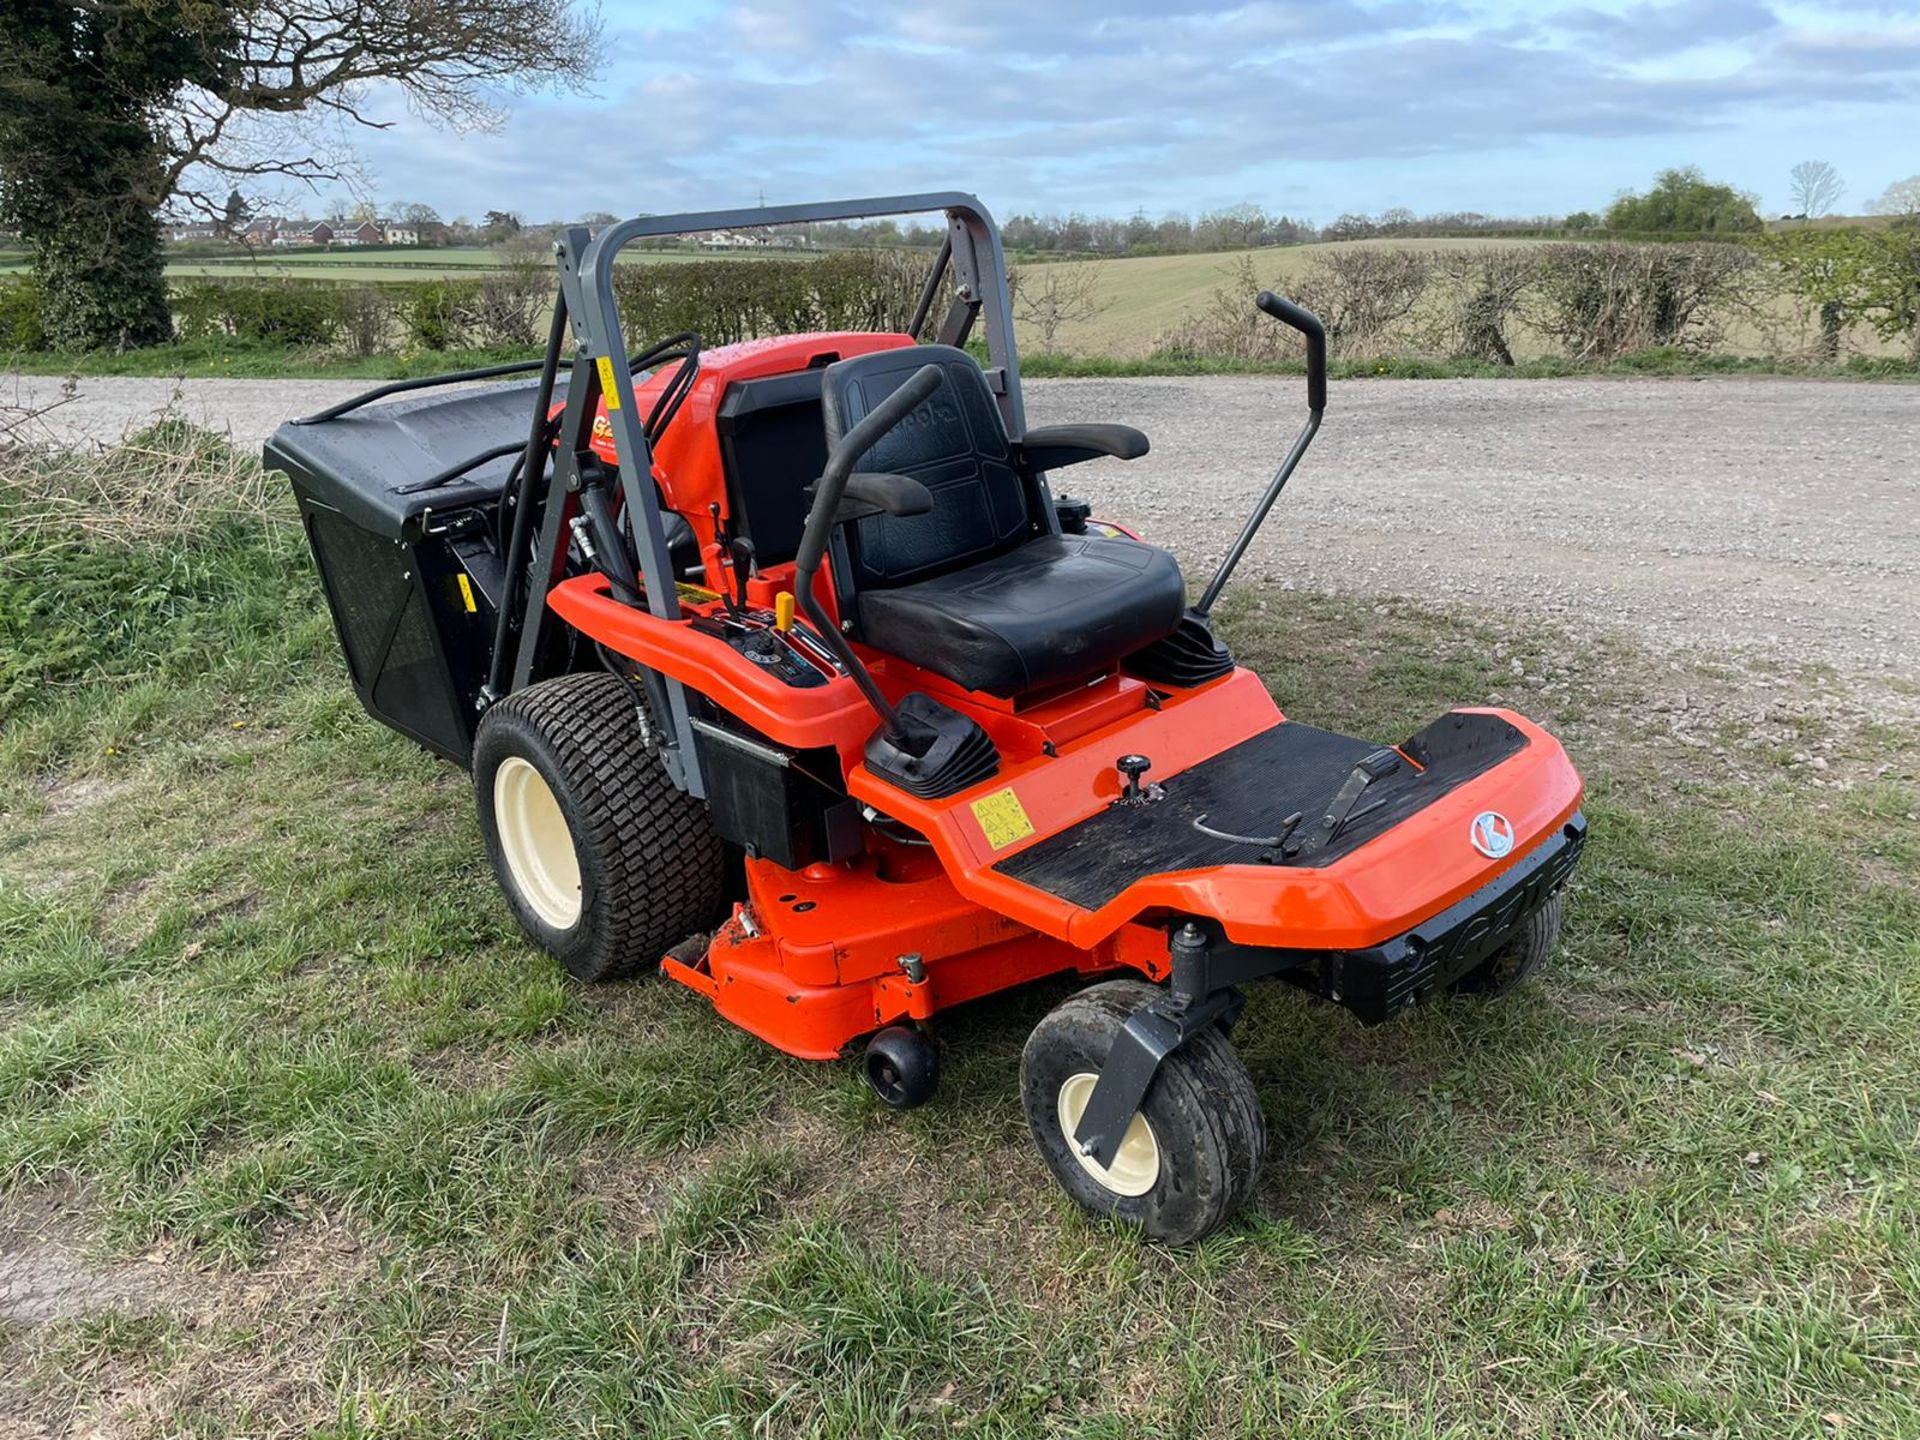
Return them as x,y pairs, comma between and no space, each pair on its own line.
1131,768
744,563
821,518
1315,334
736,603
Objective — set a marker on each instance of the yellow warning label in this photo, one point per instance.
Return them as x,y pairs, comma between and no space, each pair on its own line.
466,594
695,594
1003,819
606,382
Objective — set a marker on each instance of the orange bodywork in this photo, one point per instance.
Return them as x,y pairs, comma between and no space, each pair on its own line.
812,958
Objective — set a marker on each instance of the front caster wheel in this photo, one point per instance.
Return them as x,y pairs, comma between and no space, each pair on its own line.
1503,970
902,1067
1193,1152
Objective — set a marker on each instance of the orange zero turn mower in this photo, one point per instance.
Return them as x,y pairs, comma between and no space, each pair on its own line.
780,666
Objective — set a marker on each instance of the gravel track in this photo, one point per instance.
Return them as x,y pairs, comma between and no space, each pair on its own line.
1762,515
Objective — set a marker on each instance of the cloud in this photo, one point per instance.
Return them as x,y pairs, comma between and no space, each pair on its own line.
1651,29
1109,104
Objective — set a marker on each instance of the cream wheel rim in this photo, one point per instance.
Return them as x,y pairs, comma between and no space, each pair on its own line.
1136,1165
536,842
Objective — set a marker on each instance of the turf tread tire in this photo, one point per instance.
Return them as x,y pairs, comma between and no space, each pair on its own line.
1203,1106
652,869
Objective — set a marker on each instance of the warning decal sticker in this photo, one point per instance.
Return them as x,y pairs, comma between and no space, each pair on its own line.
1003,819
607,390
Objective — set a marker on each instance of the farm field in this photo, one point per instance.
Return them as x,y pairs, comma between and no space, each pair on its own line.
1148,296
299,1137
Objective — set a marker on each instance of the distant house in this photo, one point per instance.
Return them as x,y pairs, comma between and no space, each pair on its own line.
402,235
365,233
303,232
200,230
731,240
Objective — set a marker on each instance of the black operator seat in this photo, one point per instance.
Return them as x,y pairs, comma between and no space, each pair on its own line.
973,589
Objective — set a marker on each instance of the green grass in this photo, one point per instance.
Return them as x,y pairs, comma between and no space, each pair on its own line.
263,1013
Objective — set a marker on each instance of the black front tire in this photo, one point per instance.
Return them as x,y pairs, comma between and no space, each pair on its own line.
650,870
1201,1120
1512,963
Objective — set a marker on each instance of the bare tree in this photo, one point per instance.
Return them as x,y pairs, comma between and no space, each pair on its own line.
113,109
1067,295
1900,199
1816,186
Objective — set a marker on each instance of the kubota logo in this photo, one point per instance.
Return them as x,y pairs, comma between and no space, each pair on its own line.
931,415
1492,834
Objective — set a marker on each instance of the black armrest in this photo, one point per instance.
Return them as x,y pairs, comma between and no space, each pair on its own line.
879,493
1053,446
874,492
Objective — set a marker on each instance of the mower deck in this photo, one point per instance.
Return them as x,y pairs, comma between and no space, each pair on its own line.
1048,868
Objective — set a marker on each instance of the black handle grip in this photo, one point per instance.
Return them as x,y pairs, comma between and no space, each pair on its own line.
855,443
1308,324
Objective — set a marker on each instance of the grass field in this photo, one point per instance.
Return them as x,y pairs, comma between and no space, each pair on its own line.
1147,297
357,1161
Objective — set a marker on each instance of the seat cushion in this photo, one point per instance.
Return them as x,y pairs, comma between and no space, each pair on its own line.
1058,608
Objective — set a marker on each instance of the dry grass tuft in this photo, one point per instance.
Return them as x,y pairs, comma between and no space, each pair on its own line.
167,482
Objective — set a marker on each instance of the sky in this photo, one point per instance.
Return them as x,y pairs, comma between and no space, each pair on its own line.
1111,106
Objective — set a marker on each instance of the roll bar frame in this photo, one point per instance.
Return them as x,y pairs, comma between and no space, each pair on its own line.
588,307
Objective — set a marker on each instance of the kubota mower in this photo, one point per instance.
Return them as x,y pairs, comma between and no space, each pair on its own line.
779,666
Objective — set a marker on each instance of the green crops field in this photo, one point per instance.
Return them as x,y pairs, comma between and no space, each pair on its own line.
300,1137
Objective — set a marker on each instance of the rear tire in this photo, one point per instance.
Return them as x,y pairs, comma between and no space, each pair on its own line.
1193,1153
1513,962
604,863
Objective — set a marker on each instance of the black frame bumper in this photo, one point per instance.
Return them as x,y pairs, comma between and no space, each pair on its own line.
1377,982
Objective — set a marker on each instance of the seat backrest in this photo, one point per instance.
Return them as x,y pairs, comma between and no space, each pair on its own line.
954,444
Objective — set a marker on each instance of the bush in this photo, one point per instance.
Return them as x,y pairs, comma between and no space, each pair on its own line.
1362,293
20,325
1604,301
1684,201
724,301
1869,275
1231,328
1483,291
286,312
366,319
437,314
